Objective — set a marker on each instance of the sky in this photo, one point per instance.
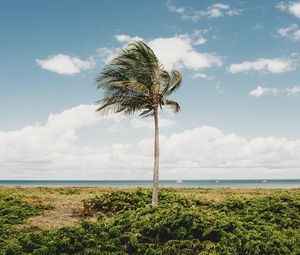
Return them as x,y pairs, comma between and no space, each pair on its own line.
240,95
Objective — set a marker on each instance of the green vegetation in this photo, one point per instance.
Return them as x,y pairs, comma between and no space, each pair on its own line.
136,82
126,223
14,210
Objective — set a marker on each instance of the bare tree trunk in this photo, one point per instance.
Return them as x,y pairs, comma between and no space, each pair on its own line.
156,160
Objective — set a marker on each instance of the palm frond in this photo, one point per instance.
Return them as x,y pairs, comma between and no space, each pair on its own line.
146,113
175,80
135,81
171,103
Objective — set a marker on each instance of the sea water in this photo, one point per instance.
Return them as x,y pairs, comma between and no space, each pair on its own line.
265,183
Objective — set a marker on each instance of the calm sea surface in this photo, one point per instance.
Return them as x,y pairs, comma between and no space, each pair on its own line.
278,183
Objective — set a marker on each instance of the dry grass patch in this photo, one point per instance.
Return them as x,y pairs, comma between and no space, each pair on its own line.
219,194
67,201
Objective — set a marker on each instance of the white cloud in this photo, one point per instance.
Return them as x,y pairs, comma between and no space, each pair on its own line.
51,151
293,91
292,32
259,91
213,11
199,41
107,54
64,64
173,8
148,123
220,10
197,37
57,135
173,52
200,76
178,52
126,38
291,7
273,65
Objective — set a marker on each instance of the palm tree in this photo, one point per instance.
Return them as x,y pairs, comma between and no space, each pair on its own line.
135,82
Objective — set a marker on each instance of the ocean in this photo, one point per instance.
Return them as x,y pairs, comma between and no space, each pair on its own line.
266,183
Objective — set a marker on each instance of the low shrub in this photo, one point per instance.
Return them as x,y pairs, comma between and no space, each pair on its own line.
14,210
128,224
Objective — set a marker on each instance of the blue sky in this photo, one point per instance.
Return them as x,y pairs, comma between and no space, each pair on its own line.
240,95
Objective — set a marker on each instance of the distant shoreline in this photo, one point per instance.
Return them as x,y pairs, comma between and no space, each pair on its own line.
254,183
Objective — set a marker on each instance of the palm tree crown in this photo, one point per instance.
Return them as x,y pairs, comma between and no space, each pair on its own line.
135,81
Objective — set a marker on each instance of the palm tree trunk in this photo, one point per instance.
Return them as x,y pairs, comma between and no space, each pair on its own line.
156,160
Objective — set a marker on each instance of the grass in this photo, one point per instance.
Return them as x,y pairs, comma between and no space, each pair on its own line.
67,202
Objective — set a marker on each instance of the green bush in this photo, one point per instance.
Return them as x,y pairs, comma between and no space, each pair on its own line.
120,201
128,224
14,210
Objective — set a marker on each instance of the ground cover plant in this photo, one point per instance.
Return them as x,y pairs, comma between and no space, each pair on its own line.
126,223
15,210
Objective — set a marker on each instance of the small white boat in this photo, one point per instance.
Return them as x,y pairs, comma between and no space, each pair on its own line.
264,181
179,181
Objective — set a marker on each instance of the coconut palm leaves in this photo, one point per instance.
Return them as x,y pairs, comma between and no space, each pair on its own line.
135,82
